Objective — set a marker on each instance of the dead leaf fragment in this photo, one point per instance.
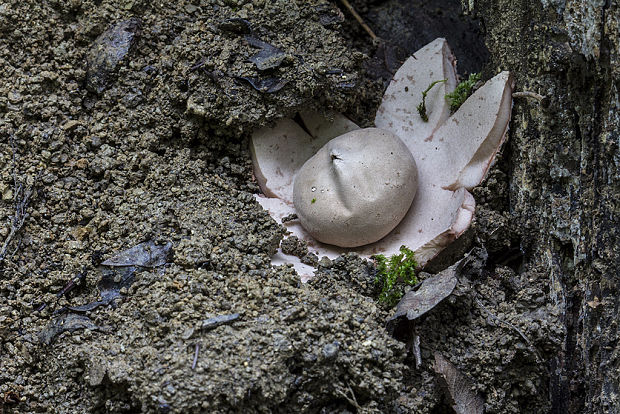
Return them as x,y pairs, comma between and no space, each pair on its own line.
429,294
270,57
212,323
457,387
66,323
269,85
147,254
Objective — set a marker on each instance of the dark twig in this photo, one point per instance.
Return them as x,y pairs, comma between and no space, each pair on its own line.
528,94
351,399
21,199
416,351
69,286
77,279
359,19
196,350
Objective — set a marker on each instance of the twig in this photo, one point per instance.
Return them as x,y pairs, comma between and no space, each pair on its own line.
527,94
539,358
359,19
352,400
77,279
69,286
195,361
21,199
416,351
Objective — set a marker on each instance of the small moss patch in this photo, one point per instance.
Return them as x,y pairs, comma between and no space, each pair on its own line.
393,274
462,92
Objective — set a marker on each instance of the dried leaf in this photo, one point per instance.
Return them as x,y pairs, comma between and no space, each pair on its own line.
109,49
269,57
269,85
235,25
219,320
458,388
329,15
112,281
147,254
66,323
429,294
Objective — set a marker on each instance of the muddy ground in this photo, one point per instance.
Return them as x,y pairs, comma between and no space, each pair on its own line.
147,141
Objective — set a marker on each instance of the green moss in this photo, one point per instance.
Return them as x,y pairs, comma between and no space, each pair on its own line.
462,92
394,274
422,106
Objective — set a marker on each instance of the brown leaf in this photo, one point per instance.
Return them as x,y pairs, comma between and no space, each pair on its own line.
429,294
458,388
147,254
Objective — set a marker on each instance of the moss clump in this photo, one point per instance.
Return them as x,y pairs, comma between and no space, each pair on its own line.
462,92
394,274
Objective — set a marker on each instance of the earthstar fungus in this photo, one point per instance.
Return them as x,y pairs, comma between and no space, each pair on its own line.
452,152
340,193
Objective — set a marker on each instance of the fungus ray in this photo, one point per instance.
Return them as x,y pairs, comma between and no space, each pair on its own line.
397,112
278,152
328,126
484,117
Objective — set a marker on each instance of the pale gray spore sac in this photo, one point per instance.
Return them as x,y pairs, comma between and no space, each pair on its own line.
356,188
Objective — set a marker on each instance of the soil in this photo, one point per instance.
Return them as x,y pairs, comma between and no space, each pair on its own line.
141,135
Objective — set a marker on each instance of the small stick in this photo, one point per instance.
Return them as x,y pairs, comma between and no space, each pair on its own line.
359,19
21,198
416,351
527,94
71,284
196,350
352,400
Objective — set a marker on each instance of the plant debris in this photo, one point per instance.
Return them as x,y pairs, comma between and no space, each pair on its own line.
268,85
329,15
269,57
67,323
459,390
109,49
427,295
212,323
147,254
75,281
112,281
235,25
21,198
